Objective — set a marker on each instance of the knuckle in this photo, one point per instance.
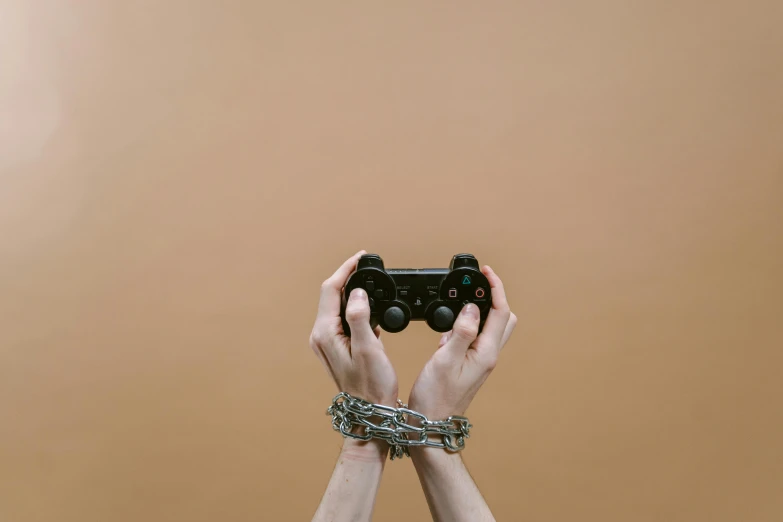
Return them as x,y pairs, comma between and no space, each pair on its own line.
323,333
356,312
512,320
467,331
317,338
490,362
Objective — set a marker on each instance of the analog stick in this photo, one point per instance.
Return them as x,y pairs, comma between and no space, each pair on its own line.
394,317
443,317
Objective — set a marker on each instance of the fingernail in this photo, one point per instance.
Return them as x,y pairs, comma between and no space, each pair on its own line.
359,293
471,310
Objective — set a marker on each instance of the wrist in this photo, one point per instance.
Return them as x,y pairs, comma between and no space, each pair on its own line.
365,450
437,410
424,457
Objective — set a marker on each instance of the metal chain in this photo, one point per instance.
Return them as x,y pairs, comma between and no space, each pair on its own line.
391,424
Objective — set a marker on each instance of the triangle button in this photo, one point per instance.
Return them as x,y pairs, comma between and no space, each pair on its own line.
466,280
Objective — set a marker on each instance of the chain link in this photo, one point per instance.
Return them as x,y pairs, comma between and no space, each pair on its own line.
392,425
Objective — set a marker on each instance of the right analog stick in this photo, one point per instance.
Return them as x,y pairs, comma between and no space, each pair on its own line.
443,317
394,317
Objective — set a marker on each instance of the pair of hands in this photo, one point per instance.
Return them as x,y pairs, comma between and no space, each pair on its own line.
450,379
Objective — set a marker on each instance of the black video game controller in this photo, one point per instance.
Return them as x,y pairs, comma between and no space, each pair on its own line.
436,295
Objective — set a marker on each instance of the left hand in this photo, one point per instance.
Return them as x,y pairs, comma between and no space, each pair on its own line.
464,359
357,364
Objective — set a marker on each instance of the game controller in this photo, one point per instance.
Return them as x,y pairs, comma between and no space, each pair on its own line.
435,295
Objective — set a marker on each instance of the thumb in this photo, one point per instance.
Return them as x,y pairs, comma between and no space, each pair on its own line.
357,314
464,332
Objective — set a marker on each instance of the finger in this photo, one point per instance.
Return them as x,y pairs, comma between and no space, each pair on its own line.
499,314
357,314
331,289
512,323
464,332
444,338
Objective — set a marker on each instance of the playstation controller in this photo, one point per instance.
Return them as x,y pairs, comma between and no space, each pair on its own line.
435,295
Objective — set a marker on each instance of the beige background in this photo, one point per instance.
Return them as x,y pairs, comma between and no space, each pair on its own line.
176,179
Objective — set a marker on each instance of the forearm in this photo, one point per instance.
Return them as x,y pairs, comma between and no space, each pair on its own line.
353,487
451,493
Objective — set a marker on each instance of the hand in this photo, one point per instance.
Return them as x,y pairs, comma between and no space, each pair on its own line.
464,359
357,364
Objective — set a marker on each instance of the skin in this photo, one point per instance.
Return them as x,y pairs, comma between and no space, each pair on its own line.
446,386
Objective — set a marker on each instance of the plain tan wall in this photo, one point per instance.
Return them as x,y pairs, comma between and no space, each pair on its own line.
178,177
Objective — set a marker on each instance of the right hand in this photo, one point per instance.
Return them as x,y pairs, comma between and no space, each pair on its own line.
464,359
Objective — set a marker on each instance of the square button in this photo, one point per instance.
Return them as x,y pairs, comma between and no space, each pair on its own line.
452,293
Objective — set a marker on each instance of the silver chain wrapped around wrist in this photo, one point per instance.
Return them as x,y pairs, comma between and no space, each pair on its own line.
391,425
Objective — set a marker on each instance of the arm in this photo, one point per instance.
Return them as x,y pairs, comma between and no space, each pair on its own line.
358,366
449,489
354,485
445,387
